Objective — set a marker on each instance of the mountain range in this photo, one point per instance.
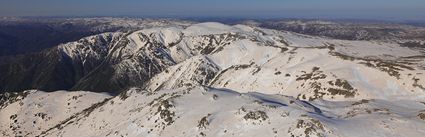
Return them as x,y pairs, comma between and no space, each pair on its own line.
181,78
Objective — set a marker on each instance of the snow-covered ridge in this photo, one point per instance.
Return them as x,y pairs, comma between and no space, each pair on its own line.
247,59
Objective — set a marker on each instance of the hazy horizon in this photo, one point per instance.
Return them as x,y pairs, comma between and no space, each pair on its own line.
361,9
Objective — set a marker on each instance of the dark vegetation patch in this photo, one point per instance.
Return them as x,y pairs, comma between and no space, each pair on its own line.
363,101
413,44
284,42
216,42
416,83
282,49
215,97
392,68
172,44
124,95
343,92
12,97
165,113
344,88
357,111
319,90
313,75
311,128
162,107
256,115
41,115
421,115
342,56
203,123
331,47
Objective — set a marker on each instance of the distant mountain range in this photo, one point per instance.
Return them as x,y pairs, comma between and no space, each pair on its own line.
181,78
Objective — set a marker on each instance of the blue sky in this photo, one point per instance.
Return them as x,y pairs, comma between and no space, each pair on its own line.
368,9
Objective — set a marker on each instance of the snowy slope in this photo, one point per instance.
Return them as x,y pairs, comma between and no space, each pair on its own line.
203,111
35,111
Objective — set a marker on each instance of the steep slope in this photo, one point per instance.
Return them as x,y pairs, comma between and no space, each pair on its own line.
194,71
244,58
57,68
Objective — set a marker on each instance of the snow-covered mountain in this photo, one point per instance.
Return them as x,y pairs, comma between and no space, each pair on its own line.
211,79
349,30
